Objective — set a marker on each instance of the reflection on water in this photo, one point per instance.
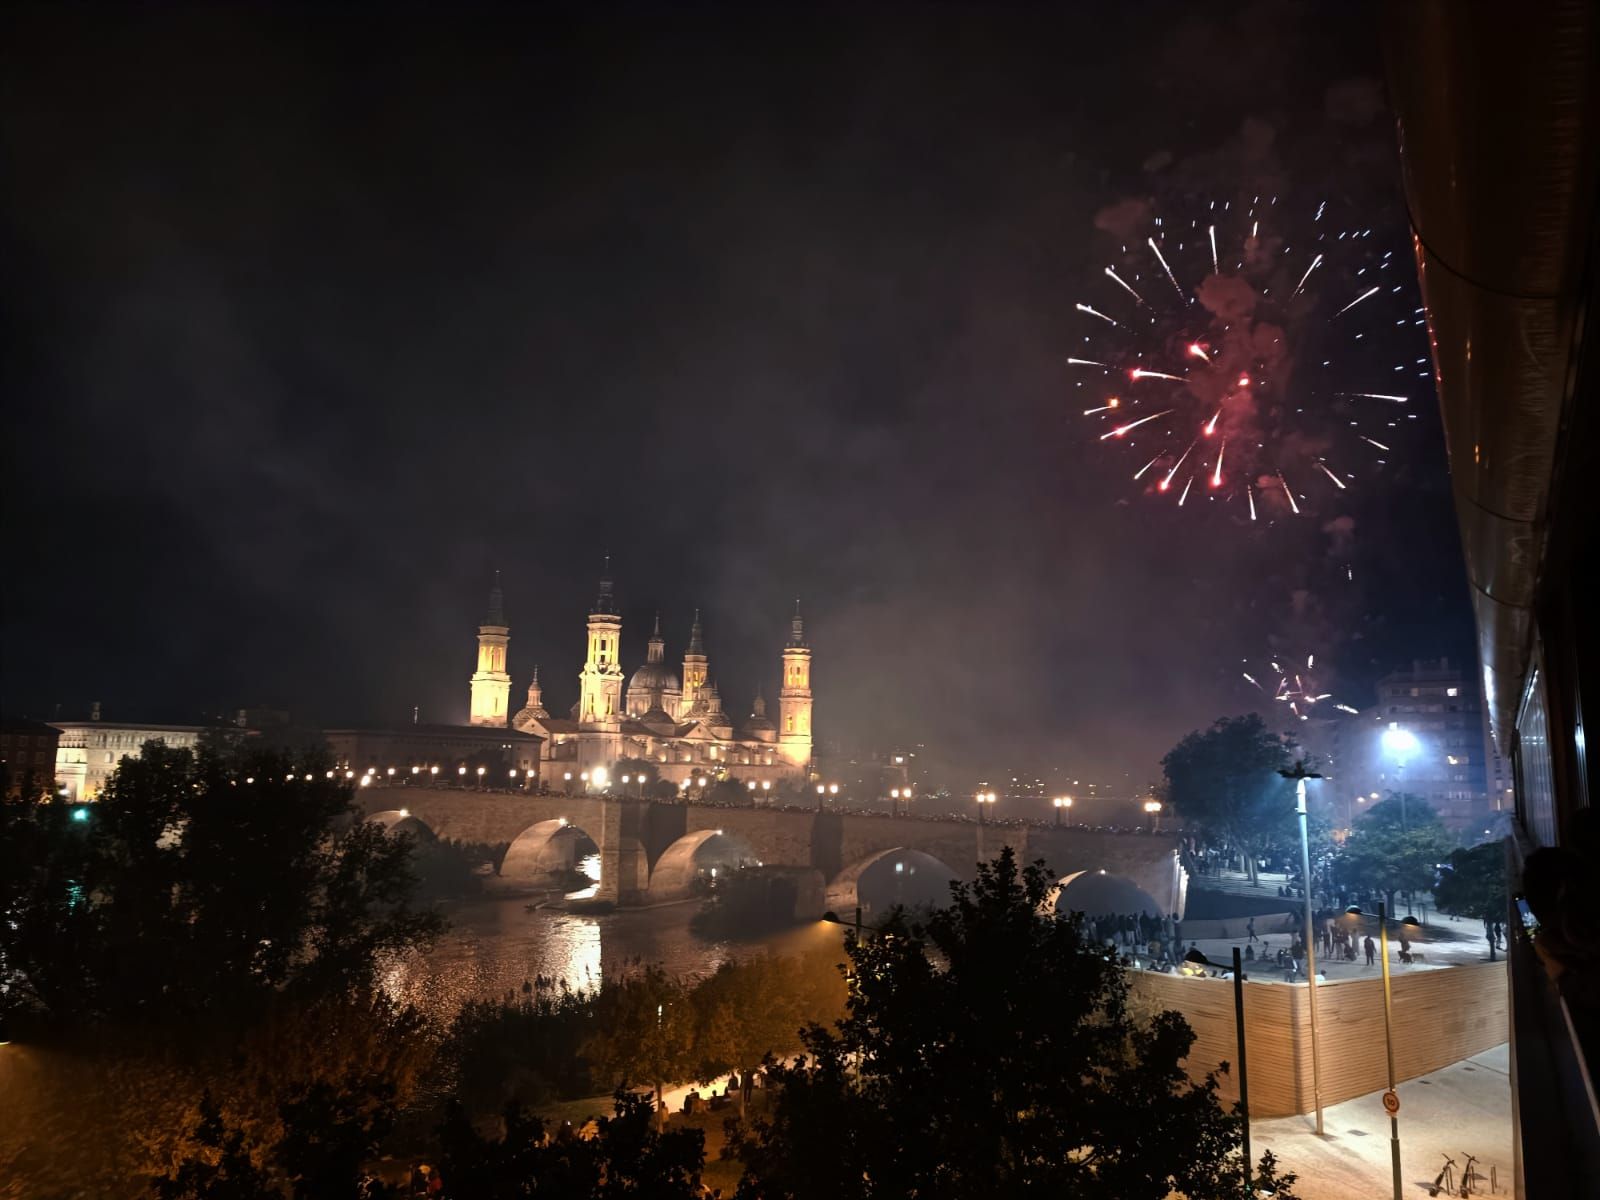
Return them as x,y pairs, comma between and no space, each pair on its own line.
493,945
589,868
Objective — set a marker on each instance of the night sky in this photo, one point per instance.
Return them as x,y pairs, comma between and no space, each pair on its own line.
311,322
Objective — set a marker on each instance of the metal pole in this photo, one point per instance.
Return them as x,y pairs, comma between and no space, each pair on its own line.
1311,952
1388,1043
1244,1072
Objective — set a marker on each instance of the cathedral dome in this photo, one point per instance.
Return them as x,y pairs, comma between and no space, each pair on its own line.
653,676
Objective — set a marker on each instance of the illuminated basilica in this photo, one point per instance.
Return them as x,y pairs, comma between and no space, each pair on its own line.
676,722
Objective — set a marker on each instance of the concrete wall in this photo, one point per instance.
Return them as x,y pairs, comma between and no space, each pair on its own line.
1440,1017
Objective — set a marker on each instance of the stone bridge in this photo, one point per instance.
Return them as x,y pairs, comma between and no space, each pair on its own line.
651,852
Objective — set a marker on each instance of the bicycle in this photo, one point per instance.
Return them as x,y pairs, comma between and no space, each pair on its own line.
1445,1180
1471,1177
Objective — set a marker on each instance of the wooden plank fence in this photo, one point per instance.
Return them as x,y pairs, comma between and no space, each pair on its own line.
1440,1017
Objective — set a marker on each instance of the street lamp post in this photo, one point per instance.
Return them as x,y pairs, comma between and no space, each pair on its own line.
1152,809
1299,774
1400,743
984,799
1393,1105
1062,803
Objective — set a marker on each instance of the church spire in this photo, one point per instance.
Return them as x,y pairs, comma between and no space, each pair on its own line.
797,628
694,667
605,602
658,645
496,612
490,684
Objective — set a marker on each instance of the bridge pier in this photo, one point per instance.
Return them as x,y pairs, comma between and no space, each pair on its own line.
632,836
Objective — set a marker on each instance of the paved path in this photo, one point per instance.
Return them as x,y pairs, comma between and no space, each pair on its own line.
1464,1107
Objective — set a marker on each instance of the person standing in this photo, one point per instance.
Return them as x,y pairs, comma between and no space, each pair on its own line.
1250,928
1372,950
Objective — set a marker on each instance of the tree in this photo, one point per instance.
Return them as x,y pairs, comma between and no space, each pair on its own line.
627,1157
744,1012
644,1031
1225,779
204,882
221,1167
1475,886
992,1052
1382,854
522,1048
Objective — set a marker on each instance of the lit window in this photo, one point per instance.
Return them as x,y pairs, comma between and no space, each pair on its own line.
1452,691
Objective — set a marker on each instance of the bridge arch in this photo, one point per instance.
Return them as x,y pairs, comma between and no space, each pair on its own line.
708,850
1097,893
887,878
400,820
545,855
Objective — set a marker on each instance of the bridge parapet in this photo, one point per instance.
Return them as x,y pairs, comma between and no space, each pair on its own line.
634,835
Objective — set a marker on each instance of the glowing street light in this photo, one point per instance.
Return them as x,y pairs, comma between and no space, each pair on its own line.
1401,744
434,770
1061,803
1152,809
600,777
1299,774
984,799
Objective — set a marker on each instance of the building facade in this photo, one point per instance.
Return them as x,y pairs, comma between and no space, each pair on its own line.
437,753
677,723
89,751
28,751
1455,765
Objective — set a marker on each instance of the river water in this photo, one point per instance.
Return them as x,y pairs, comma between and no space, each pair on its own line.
494,945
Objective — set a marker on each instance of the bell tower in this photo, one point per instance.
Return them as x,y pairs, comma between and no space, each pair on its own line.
794,698
491,685
600,683
694,667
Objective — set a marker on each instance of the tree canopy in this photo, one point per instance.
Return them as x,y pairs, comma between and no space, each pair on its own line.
201,881
1225,780
1475,885
1388,853
992,1052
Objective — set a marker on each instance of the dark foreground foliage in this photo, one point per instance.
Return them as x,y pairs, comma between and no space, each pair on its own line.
991,1051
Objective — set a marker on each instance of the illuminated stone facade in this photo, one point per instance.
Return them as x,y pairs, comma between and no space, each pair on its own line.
678,725
89,752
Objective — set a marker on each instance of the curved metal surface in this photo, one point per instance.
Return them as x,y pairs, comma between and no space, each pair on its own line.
1499,153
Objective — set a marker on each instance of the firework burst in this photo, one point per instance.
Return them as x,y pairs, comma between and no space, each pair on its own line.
1199,356
1293,681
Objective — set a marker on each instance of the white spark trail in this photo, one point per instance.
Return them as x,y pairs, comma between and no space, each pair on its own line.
1141,373
1323,467
1176,465
1215,270
1094,312
1167,269
1376,396
1288,493
1125,286
1122,429
1315,263
1364,295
